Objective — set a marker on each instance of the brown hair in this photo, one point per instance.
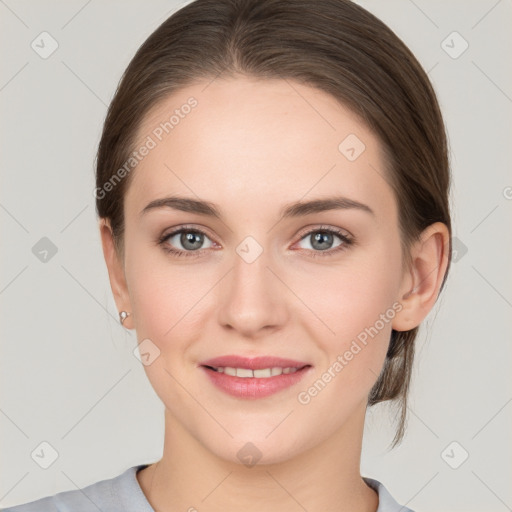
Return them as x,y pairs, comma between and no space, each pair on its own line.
333,45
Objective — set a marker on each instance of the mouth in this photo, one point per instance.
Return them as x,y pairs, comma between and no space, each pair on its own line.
253,378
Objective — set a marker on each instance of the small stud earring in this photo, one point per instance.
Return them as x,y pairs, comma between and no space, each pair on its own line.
122,316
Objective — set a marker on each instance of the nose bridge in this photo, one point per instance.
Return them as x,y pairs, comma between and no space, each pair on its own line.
253,297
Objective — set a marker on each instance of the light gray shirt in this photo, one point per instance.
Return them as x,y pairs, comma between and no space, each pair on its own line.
124,494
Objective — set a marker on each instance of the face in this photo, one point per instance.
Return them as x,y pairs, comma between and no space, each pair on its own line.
316,287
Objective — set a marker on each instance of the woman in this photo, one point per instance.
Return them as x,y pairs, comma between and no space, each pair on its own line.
272,188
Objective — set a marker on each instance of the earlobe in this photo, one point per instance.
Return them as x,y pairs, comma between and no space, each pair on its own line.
115,271
423,279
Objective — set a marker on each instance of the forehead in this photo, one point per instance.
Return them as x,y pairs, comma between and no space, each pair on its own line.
249,142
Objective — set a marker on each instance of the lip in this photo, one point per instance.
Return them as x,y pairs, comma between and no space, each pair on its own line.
252,387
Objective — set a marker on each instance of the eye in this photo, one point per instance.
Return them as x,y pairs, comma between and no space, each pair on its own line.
187,241
321,240
190,240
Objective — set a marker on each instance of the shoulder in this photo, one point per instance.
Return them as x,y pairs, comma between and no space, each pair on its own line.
386,502
116,494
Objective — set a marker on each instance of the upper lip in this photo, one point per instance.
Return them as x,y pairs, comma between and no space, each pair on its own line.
253,363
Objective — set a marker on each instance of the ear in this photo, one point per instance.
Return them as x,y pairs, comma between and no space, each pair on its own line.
422,281
116,274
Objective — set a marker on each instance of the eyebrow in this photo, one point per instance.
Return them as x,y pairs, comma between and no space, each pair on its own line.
297,209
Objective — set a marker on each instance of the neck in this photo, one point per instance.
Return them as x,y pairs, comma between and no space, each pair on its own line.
325,478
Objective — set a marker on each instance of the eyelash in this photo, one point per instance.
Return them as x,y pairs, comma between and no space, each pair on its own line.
347,241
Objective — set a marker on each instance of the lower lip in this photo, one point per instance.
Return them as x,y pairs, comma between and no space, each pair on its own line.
252,387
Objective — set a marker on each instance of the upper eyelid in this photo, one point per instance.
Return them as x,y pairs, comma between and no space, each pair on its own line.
179,229
324,227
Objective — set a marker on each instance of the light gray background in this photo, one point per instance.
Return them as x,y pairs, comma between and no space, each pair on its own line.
68,374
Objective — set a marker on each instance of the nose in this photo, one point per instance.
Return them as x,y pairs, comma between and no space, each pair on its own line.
253,298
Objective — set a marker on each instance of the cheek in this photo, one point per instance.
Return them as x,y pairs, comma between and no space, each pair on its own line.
356,296
167,311
165,295
358,304
163,301
360,310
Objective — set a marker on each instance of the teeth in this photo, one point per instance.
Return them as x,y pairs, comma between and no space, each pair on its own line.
263,373
244,372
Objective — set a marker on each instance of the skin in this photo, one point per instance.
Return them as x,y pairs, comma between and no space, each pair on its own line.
250,147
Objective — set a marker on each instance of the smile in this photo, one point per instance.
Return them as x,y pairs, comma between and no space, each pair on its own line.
253,378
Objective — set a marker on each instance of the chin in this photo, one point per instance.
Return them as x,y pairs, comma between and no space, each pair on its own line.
252,450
